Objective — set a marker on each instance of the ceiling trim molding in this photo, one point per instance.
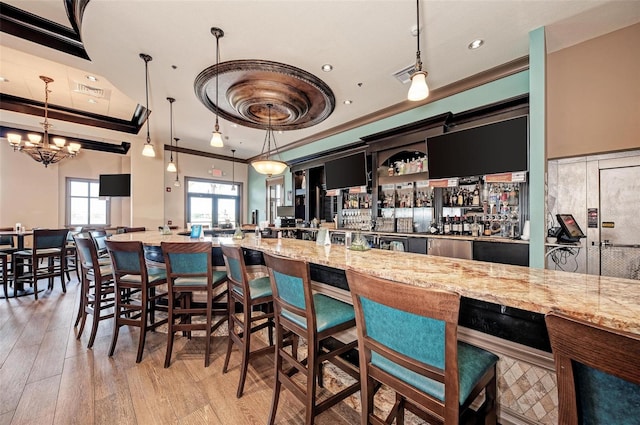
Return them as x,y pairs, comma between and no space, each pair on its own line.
493,74
32,107
94,145
204,154
28,26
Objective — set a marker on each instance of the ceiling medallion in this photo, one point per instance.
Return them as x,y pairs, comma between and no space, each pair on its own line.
299,99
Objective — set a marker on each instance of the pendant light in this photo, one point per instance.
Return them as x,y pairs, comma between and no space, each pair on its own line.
233,170
148,149
419,89
216,136
269,166
177,182
171,166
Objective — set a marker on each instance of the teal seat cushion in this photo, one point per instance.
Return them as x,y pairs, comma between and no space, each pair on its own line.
191,281
260,287
154,274
473,362
219,275
604,398
329,313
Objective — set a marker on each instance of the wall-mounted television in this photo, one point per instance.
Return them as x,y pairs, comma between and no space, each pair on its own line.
488,149
115,185
348,171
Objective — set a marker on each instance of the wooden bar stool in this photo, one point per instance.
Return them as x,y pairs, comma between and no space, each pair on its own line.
4,274
242,326
96,288
138,289
190,270
598,371
315,317
407,340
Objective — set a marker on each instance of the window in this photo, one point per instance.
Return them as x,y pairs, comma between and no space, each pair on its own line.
213,203
84,207
275,189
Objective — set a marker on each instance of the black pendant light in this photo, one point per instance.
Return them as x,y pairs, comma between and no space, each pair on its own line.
216,136
148,149
177,182
171,166
419,89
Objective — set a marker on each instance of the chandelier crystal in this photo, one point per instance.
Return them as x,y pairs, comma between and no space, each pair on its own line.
39,147
269,166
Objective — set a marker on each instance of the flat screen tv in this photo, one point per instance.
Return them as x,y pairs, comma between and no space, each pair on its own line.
115,185
348,171
488,149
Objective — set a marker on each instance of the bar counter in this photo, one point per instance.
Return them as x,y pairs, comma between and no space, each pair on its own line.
609,301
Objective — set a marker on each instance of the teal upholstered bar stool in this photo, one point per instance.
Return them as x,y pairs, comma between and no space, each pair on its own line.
301,313
189,271
138,290
407,340
598,371
251,294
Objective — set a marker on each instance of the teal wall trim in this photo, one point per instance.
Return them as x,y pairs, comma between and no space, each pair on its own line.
495,91
537,146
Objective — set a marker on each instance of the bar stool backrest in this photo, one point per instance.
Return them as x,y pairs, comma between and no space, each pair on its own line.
191,259
99,238
291,287
127,258
598,371
86,251
46,239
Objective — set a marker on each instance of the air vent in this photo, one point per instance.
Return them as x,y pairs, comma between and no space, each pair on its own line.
404,75
90,91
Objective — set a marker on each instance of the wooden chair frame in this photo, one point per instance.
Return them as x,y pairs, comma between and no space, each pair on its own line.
288,332
431,303
96,289
180,298
613,352
129,310
239,293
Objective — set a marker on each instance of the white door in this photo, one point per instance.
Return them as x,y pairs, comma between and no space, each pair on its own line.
620,222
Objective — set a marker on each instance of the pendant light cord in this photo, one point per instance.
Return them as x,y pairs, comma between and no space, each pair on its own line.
217,74
418,60
171,100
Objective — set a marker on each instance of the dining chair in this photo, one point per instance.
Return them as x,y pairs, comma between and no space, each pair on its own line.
48,245
317,318
100,238
190,271
407,340
96,288
598,372
254,295
6,252
139,291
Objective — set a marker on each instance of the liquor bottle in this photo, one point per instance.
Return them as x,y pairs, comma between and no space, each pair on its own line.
475,200
447,226
460,198
466,226
487,227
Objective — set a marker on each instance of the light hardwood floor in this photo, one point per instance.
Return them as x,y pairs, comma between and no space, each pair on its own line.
49,377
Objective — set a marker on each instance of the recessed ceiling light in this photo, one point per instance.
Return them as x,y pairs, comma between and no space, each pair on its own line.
348,102
3,80
327,67
92,78
475,44
92,101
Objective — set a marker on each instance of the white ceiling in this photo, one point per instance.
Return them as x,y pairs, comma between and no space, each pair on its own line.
365,41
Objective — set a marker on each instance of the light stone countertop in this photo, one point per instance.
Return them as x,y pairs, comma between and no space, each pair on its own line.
612,302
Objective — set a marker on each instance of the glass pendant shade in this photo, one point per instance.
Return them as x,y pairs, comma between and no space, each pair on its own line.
269,166
148,150
216,139
177,182
419,89
171,167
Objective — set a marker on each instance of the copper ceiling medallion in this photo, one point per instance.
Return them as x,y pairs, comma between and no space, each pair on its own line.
299,99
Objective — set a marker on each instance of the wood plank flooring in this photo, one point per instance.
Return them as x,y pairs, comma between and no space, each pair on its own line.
47,376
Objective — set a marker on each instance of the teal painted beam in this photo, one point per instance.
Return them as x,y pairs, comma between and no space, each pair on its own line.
537,146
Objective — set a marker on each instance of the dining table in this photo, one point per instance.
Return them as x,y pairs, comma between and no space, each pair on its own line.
18,287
